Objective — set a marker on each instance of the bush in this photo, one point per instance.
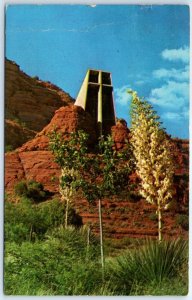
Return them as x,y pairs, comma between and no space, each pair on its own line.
8,148
57,266
31,189
25,221
21,189
35,191
154,262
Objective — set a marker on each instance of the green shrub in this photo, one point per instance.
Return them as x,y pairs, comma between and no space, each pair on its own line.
8,148
63,264
153,262
31,189
57,266
21,188
35,191
26,221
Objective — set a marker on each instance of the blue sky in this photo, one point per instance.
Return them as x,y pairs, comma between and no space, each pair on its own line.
146,48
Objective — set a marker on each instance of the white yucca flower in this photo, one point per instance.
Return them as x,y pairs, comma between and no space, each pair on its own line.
151,149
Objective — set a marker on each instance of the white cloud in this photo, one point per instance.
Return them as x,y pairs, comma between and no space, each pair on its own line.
121,95
176,116
176,74
172,95
172,116
180,54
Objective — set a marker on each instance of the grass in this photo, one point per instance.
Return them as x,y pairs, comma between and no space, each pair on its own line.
60,261
63,264
166,287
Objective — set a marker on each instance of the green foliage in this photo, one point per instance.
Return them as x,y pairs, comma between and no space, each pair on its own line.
174,286
27,222
70,155
60,265
183,221
153,263
35,191
95,174
69,152
115,166
64,263
21,188
8,148
31,189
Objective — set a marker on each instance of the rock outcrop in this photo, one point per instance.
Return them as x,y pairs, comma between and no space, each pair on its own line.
16,134
34,157
34,160
124,214
30,103
33,109
120,134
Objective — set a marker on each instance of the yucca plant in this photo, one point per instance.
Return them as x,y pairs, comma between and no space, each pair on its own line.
152,262
161,260
153,156
76,241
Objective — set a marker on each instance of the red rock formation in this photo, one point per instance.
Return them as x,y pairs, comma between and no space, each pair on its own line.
66,119
16,135
123,214
120,134
29,102
34,159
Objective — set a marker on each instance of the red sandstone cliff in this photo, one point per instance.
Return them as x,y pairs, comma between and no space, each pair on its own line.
123,215
29,104
34,161
32,106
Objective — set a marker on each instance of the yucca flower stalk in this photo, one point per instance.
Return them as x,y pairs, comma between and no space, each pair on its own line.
152,151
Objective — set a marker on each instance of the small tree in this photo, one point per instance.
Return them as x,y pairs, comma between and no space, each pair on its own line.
97,174
110,170
70,156
152,151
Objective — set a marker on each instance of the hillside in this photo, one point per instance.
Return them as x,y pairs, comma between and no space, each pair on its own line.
29,104
124,214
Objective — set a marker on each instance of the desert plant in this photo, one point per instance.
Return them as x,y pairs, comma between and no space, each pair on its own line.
152,151
35,190
69,153
94,174
25,221
175,286
21,188
31,189
154,262
59,265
